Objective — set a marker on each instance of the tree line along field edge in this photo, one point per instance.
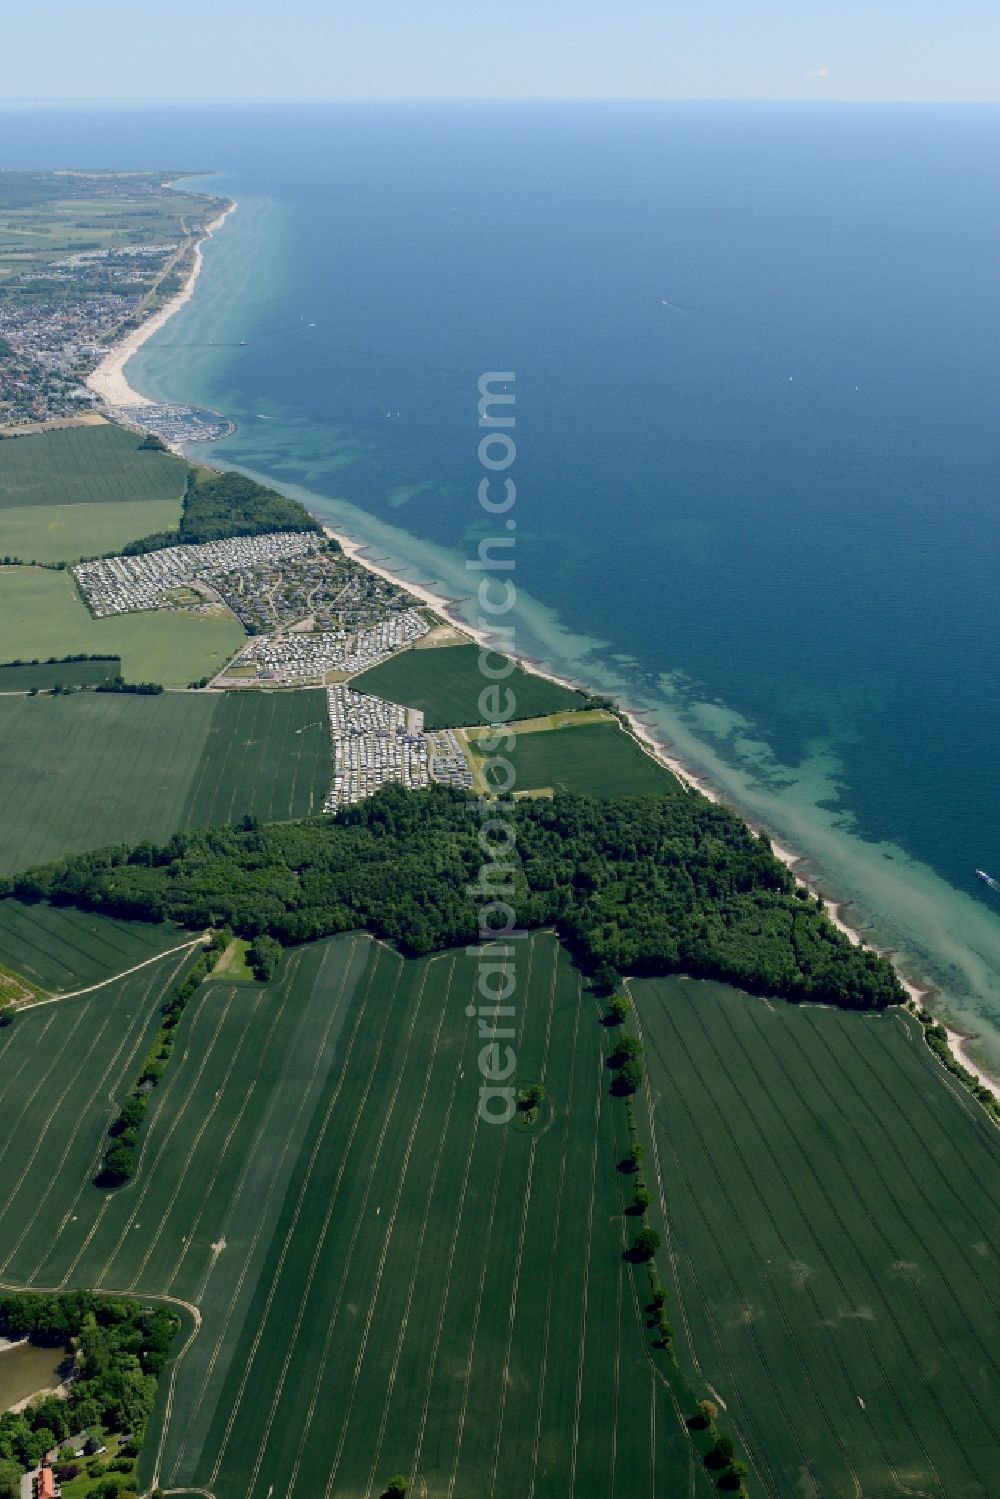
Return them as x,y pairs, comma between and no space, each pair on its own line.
822,1182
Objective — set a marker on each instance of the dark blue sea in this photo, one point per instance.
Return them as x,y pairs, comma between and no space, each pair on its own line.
755,358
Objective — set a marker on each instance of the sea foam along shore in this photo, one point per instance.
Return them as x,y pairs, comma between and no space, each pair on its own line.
447,609
108,379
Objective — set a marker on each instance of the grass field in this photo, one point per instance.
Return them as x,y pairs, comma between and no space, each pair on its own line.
97,768
47,227
266,753
446,683
57,948
833,1228
85,465
382,1283
65,533
592,759
41,614
64,673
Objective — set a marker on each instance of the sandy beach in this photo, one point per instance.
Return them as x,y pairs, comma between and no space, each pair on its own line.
108,380
446,608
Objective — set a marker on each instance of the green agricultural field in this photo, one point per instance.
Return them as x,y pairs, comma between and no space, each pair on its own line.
592,759
84,465
58,948
833,1231
40,674
42,614
267,754
383,1282
65,533
446,683
92,768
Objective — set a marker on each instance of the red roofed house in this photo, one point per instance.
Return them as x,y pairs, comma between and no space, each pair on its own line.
45,1488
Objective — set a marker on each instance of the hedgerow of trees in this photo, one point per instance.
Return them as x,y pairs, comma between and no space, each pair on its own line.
125,1129
632,885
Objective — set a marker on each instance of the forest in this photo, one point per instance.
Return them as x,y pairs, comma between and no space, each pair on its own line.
227,504
632,885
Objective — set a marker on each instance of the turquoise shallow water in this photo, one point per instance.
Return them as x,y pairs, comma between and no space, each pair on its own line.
756,397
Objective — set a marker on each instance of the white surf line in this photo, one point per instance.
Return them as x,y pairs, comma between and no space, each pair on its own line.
355,1126
209,1116
404,1322
58,999
82,1122
387,1239
586,1280
557,1219
505,1377
251,1156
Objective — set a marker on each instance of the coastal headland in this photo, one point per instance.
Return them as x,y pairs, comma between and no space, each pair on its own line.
248,1045
110,382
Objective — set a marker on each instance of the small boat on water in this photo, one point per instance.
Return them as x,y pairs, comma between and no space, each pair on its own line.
988,879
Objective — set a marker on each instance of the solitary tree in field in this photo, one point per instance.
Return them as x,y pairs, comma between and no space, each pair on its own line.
529,1098
618,1010
396,1487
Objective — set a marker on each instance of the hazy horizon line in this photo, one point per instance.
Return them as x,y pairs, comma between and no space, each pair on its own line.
41,102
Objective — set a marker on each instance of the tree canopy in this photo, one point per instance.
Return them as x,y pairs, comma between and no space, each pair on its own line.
632,885
120,1348
228,505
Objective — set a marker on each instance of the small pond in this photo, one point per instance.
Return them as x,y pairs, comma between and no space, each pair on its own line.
26,1368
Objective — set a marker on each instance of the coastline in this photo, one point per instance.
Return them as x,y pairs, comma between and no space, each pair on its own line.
108,380
446,608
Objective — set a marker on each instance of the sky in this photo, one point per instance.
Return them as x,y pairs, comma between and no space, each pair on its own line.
339,49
